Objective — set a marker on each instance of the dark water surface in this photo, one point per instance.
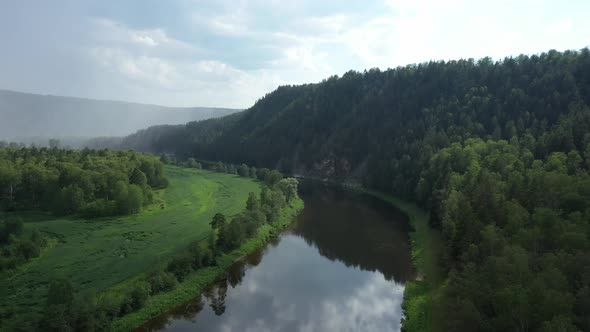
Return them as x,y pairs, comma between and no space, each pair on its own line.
342,267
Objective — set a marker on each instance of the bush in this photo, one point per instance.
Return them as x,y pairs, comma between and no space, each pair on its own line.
135,298
161,281
109,305
192,163
181,265
55,318
9,262
8,228
19,249
194,250
27,249
69,200
243,170
85,315
160,183
208,258
37,238
99,208
139,294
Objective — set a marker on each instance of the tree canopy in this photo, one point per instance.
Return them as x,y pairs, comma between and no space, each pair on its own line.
87,182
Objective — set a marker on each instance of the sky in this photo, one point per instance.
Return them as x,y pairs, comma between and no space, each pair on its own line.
230,53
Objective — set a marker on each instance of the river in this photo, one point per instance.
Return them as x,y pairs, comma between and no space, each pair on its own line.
341,267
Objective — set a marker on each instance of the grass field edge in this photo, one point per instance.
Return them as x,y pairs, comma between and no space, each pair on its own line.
196,283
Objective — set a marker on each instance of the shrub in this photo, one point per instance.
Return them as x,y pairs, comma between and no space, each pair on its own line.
194,250
109,305
27,249
8,228
135,298
180,265
208,258
139,294
160,280
99,208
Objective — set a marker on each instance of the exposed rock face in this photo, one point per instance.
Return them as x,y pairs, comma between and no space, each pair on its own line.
331,167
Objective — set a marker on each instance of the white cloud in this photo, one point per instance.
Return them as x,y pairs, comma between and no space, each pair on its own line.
366,310
145,41
150,60
559,28
232,24
306,59
230,53
144,70
329,297
211,66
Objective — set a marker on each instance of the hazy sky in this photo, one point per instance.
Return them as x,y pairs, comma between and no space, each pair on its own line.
231,52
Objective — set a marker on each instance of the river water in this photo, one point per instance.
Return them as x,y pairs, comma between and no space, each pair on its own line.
341,267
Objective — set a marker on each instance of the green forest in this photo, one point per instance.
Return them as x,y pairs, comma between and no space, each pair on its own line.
497,151
88,182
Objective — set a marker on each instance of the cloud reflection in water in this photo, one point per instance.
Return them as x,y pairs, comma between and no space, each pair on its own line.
294,288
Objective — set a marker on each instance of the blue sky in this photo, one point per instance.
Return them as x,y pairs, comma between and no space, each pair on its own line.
230,53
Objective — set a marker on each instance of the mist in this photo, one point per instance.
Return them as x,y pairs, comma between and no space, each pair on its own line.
33,118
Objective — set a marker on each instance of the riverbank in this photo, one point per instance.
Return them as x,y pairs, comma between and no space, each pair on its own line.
426,244
195,283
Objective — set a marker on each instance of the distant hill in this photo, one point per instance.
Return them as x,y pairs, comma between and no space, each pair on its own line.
31,117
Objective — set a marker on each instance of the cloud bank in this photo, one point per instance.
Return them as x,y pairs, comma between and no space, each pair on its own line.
230,53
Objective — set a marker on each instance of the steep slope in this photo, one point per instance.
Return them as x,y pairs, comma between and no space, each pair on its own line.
382,127
27,115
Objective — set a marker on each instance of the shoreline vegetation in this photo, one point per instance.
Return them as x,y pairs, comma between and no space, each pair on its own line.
196,283
425,244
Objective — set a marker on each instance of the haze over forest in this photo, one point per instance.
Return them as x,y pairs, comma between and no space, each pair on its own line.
35,118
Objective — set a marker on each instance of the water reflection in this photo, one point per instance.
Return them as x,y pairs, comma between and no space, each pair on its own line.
356,229
334,272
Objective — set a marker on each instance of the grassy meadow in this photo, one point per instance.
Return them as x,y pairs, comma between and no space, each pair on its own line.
99,254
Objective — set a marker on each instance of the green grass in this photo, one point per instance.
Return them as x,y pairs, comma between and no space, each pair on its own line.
426,244
195,283
99,254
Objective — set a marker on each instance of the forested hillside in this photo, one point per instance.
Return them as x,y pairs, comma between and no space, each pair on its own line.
498,151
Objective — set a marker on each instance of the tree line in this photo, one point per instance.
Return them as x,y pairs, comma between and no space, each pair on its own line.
497,151
268,176
87,183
